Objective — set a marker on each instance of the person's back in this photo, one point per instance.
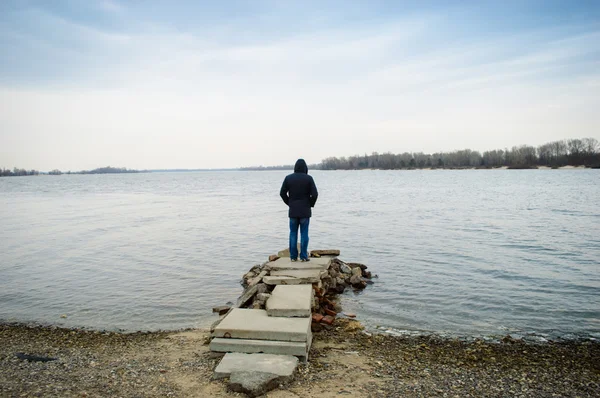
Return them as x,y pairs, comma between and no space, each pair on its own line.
299,192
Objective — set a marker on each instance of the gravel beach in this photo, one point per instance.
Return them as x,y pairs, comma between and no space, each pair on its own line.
344,361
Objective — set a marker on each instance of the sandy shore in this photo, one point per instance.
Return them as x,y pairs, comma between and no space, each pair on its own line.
343,361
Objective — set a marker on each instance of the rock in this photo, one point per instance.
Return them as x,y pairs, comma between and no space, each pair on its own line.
333,273
315,253
262,288
222,309
317,317
355,279
328,320
345,269
255,384
286,252
357,265
337,307
350,315
315,327
257,279
356,271
257,305
263,297
249,275
273,257
330,312
246,296
367,274
361,285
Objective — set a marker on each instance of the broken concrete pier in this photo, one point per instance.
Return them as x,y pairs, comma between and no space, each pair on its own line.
270,328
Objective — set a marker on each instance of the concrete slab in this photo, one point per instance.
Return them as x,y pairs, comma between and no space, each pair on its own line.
257,325
285,263
297,349
306,275
281,365
290,301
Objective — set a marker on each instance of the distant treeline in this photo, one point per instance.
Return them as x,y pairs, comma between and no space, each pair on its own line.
101,170
263,168
17,172
572,152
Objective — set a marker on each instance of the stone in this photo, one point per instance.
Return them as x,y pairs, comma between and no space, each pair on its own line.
290,301
246,296
345,269
327,319
273,257
317,317
222,309
325,252
367,274
249,346
261,288
316,327
350,315
285,263
330,312
255,324
304,275
249,275
357,265
257,279
255,384
286,252
355,279
355,272
281,365
263,296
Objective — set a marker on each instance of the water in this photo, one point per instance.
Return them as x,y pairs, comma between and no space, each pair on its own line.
461,252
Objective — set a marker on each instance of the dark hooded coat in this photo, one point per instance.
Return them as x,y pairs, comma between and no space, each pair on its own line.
299,191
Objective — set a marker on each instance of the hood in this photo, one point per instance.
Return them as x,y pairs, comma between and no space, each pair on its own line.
301,167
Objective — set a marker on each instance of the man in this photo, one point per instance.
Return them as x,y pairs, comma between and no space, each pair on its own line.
299,192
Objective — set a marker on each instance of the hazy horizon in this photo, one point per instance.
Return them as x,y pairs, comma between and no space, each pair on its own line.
242,84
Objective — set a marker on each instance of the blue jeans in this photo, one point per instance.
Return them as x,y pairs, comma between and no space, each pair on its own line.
303,224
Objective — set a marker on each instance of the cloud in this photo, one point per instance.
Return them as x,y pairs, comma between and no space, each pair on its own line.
151,96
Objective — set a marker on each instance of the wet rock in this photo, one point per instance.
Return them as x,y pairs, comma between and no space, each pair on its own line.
357,265
355,280
367,274
255,384
222,309
273,257
356,272
345,269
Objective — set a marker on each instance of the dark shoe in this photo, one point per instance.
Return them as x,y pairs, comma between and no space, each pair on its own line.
304,260
294,260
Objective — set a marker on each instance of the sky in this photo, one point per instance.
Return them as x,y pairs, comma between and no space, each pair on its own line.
220,84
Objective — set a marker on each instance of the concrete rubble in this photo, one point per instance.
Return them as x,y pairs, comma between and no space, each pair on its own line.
283,303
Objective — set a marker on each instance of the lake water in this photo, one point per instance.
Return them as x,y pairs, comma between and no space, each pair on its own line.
460,252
